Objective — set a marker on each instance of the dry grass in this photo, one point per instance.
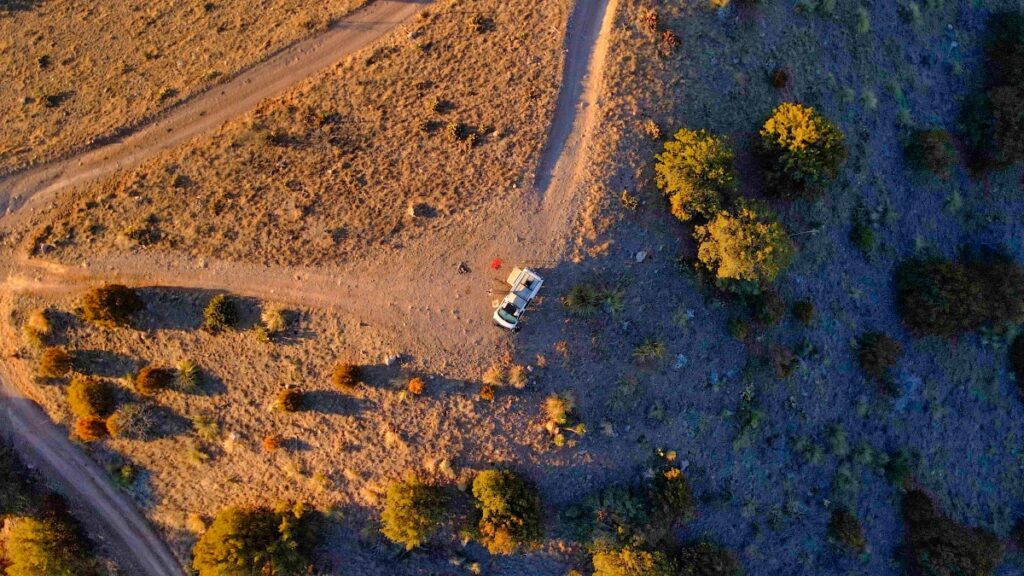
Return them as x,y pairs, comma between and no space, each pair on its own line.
439,114
75,71
210,447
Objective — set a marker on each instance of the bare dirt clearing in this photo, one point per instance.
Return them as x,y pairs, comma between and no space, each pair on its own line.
426,130
71,72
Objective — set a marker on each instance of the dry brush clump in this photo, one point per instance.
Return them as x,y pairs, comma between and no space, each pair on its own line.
90,397
111,305
150,380
345,376
54,362
37,329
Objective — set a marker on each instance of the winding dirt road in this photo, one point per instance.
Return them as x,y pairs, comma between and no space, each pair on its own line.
208,110
417,276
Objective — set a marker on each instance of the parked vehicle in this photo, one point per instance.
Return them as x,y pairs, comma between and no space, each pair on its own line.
525,284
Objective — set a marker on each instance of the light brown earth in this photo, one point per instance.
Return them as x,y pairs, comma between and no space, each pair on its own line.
112,65
411,301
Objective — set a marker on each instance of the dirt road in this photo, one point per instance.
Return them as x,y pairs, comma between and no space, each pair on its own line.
394,294
212,108
46,447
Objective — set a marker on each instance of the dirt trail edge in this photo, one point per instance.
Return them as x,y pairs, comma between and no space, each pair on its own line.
210,109
46,446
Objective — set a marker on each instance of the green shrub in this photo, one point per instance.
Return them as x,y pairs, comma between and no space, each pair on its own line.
46,547
150,380
412,512
111,305
938,546
931,150
803,311
802,151
289,400
938,297
221,313
90,397
1007,104
745,244
256,541
632,561
345,376
614,516
878,353
673,496
708,559
583,300
768,307
54,362
1002,285
845,530
509,511
188,376
695,171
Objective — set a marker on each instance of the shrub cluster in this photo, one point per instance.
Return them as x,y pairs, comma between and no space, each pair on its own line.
802,151
746,244
46,546
412,512
695,171
845,530
151,380
931,150
878,353
708,559
90,397
256,541
509,511
345,376
946,298
700,559
111,305
220,314
289,400
938,546
54,362
1005,60
90,429
133,421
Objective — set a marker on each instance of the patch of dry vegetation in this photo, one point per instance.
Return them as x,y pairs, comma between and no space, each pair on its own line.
74,72
436,121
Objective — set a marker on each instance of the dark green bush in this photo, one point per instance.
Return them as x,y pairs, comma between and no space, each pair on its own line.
938,297
845,530
632,561
256,541
1008,121
151,379
931,150
695,171
768,307
803,311
802,151
509,511
111,305
1002,284
221,313
877,354
54,362
673,496
938,546
708,559
49,546
90,397
412,512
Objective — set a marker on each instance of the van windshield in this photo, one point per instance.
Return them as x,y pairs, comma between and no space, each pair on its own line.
507,313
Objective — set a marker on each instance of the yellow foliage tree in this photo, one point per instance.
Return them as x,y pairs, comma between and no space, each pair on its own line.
746,244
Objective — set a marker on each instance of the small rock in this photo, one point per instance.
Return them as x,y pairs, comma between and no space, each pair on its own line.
641,256
681,361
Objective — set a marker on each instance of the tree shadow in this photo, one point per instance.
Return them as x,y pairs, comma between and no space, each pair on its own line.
104,363
331,402
10,6
172,308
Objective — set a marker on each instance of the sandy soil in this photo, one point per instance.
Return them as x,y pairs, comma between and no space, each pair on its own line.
449,424
72,72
